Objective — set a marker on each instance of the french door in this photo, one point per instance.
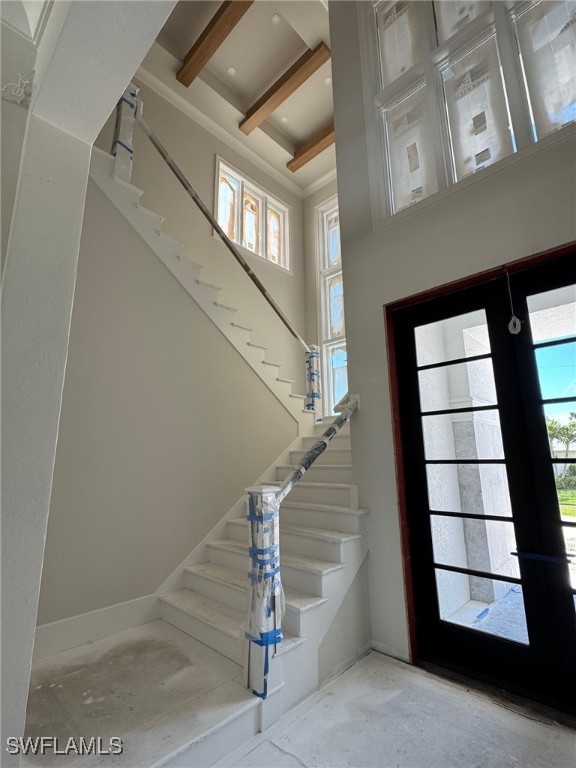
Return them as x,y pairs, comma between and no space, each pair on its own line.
486,391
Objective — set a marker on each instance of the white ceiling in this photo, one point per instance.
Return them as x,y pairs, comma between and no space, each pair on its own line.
259,51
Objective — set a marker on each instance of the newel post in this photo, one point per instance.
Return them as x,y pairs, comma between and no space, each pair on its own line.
122,144
266,596
313,382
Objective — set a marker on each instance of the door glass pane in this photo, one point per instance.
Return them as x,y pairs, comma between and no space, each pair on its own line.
453,15
486,605
473,489
570,540
557,370
566,489
398,39
480,545
452,339
480,130
463,436
457,386
547,40
553,314
410,155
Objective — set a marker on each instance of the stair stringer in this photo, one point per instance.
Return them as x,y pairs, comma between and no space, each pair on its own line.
125,197
198,555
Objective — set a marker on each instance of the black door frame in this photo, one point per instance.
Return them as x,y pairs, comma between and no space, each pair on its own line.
496,660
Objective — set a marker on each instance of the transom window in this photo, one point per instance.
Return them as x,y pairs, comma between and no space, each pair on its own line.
461,85
332,328
251,217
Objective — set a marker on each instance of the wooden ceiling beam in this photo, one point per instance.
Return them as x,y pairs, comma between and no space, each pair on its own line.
222,23
312,148
285,86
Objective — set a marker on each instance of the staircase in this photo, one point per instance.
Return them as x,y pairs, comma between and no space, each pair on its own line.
321,548
322,541
126,198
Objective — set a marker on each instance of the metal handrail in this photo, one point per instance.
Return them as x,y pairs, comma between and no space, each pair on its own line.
208,215
346,406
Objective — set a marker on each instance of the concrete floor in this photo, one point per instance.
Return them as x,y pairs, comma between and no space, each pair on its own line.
155,687
382,713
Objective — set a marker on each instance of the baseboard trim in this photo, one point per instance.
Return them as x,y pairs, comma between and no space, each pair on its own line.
68,633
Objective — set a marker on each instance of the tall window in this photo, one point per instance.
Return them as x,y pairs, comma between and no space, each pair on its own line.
332,328
251,217
462,85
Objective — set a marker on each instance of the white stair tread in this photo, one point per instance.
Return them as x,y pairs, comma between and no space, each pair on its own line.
323,467
301,601
310,564
303,484
220,616
324,534
322,507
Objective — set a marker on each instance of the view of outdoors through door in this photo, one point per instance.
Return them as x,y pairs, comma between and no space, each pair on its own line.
488,422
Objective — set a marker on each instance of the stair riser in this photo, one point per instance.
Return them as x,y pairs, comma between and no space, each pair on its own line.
211,636
293,577
228,594
321,427
344,497
333,521
337,443
234,560
330,456
311,547
289,542
318,474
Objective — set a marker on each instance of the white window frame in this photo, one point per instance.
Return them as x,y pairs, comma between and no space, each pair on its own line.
323,273
267,203
496,19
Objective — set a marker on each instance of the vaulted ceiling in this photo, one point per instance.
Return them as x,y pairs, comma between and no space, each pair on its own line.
262,69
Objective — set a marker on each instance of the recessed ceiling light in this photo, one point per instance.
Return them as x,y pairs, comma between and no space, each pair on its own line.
276,19
284,119
328,80
231,71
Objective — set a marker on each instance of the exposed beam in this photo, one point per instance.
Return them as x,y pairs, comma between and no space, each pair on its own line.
220,26
312,148
292,79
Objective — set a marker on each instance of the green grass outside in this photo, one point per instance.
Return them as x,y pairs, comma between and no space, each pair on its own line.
567,499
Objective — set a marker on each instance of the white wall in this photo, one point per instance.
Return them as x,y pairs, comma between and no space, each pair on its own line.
194,149
163,426
519,208
18,57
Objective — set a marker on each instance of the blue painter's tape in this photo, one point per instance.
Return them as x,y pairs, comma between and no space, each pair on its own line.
121,143
261,518
272,637
266,575
266,551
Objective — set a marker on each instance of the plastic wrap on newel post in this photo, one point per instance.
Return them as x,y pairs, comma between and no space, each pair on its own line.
122,144
266,596
313,381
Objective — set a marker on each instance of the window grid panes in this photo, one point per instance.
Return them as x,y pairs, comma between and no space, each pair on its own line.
332,324
251,217
451,96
